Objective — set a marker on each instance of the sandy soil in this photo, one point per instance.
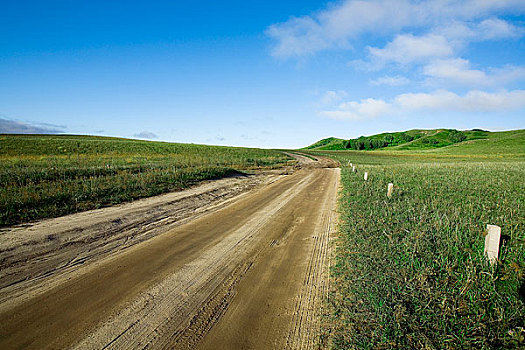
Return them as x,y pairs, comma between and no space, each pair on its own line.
32,256
235,263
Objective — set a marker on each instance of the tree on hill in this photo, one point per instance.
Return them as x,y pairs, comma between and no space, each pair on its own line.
406,137
456,136
374,142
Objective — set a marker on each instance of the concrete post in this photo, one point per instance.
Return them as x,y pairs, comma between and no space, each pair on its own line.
390,190
492,243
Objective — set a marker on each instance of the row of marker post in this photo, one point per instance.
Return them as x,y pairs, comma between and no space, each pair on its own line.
492,239
390,188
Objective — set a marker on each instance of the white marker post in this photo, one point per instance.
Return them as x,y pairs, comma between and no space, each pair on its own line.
353,168
390,190
492,243
366,175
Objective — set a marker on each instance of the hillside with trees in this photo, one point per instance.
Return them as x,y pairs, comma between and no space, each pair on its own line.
411,139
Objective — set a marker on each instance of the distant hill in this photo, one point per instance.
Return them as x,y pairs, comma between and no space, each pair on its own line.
331,143
440,140
496,143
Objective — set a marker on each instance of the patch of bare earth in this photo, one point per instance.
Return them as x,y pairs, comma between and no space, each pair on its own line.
235,263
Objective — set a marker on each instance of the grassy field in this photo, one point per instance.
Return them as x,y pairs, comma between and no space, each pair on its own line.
44,176
503,145
417,140
409,271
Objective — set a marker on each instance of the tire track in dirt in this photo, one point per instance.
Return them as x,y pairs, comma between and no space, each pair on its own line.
248,275
33,256
278,302
148,320
306,324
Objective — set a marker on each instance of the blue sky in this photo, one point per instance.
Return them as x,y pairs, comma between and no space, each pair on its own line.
260,73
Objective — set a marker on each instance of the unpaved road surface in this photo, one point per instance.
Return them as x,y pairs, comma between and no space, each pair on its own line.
233,264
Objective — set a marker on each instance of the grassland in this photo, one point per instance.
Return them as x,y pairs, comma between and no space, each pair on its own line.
503,145
417,139
409,271
44,176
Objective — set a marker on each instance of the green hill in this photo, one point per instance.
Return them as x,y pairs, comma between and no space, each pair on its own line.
439,140
370,142
502,143
330,143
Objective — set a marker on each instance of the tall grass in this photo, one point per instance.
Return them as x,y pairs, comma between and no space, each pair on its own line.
48,176
410,270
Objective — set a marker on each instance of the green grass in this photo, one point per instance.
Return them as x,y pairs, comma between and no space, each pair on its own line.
330,143
409,271
501,144
370,142
43,176
421,140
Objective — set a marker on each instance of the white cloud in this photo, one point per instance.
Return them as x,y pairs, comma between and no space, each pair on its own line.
408,48
334,26
331,97
468,10
365,109
439,43
456,31
488,29
390,80
495,28
474,101
297,37
458,71
507,74
148,135
437,100
339,24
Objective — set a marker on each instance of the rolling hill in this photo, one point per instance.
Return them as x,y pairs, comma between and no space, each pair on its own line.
437,140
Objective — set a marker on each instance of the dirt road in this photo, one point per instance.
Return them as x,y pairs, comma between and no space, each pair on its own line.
245,273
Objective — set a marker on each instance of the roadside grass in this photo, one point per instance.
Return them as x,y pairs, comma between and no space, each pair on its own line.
43,176
409,271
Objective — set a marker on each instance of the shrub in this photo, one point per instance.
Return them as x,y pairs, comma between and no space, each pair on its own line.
456,136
